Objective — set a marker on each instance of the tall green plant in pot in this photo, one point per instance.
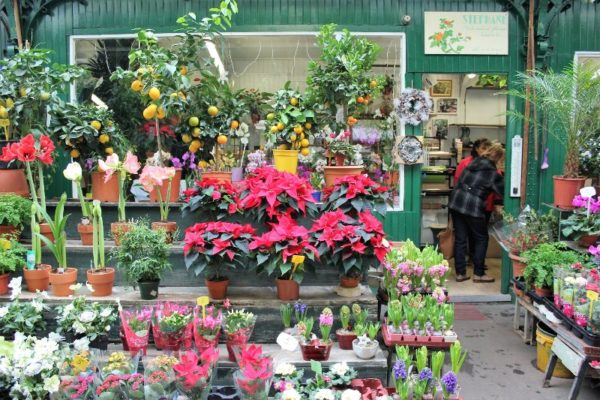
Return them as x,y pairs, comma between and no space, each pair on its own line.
100,277
62,277
143,256
570,100
541,261
36,274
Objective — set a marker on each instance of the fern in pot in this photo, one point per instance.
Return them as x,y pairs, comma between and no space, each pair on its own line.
143,256
365,346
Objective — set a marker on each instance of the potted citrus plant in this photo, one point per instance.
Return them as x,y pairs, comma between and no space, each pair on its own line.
212,247
143,256
12,256
152,179
282,251
62,277
570,99
15,212
74,173
100,277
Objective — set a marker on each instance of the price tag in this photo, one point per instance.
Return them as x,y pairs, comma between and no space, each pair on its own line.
592,295
588,191
203,301
4,122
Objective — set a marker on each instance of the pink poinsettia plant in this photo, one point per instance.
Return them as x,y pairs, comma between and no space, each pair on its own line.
210,247
153,178
253,379
350,244
213,198
268,194
124,170
354,194
278,248
193,372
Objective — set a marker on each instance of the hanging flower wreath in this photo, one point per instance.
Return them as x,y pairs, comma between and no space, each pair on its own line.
413,106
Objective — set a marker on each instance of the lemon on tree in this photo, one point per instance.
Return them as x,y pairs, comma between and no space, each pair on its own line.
294,101
183,70
137,85
104,138
304,143
186,138
270,116
160,113
305,151
193,121
308,125
280,126
96,125
274,129
150,111
212,111
3,112
196,132
292,137
298,129
44,96
109,150
154,93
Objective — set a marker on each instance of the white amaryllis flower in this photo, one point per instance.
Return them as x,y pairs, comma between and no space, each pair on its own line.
285,369
73,172
324,394
351,394
15,287
340,369
290,394
87,316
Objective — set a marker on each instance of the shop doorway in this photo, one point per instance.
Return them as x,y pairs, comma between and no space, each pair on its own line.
467,107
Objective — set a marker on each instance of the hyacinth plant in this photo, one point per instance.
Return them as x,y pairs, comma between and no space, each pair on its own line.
354,194
350,244
210,198
212,247
267,194
253,379
152,179
282,249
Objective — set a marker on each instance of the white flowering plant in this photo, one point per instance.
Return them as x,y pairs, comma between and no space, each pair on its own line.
22,316
341,374
31,370
286,376
81,318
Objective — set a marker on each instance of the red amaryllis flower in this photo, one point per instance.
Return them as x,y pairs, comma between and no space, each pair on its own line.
9,152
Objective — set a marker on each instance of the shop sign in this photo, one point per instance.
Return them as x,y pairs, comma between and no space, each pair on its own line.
453,33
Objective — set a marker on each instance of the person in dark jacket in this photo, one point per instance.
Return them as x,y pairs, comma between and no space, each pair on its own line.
468,205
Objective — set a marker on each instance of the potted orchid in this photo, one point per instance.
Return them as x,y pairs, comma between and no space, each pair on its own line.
207,327
210,199
123,170
354,194
253,378
193,373
282,250
211,247
351,245
74,173
153,179
314,348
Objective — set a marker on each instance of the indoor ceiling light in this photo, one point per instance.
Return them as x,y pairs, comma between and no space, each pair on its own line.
471,76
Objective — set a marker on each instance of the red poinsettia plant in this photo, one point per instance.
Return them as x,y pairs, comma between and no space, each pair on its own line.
268,194
253,379
278,249
216,199
350,244
210,247
193,372
354,194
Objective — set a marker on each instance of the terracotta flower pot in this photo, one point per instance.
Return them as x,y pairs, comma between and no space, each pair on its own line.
4,278
287,289
345,339
102,191
175,188
10,230
14,181
86,233
219,176
46,232
543,291
168,226
217,290
565,189
518,264
101,281
333,173
588,240
118,229
317,352
37,279
349,282
339,160
61,282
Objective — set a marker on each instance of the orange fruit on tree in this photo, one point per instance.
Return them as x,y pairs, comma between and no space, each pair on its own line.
212,111
23,92
308,125
360,99
221,139
160,113
294,101
74,153
154,93
44,96
298,129
137,85
366,101
104,138
280,126
196,132
183,70
304,143
270,116
292,138
10,103
96,125
3,112
109,150
234,124
150,111
186,138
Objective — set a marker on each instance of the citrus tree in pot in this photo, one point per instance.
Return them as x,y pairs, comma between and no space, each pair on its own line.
12,256
570,100
15,212
152,179
143,256
211,247
100,277
62,277
541,261
282,251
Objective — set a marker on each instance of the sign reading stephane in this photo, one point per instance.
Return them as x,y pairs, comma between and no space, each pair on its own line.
466,33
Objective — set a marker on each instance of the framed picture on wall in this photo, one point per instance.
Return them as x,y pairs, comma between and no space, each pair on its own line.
439,128
447,106
442,88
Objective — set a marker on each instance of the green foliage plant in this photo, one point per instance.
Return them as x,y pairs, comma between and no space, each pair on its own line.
14,210
541,261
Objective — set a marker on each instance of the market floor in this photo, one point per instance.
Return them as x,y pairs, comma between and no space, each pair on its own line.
499,365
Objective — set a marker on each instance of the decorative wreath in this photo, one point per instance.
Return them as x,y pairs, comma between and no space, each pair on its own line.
409,149
413,106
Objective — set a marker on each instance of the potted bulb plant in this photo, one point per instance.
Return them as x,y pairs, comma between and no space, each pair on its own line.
12,256
74,173
15,212
212,247
124,170
345,335
365,346
314,348
143,256
100,277
152,179
316,180
62,277
36,274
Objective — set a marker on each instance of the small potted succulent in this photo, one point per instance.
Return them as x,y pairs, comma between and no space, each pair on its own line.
15,212
144,257
74,173
100,277
12,256
365,346
314,348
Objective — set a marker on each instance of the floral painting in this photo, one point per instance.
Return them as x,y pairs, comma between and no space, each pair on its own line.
447,38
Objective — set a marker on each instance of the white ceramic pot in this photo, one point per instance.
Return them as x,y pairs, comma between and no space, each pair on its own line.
365,349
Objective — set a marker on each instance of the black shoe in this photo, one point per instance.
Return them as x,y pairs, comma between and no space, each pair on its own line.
462,277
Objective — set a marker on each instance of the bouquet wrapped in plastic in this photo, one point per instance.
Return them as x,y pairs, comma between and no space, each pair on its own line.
159,377
194,373
207,328
170,322
136,328
253,379
238,326
118,378
76,388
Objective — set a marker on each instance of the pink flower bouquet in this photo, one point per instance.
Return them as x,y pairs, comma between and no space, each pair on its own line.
136,328
207,329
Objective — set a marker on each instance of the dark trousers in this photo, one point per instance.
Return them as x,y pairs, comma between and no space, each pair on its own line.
466,228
